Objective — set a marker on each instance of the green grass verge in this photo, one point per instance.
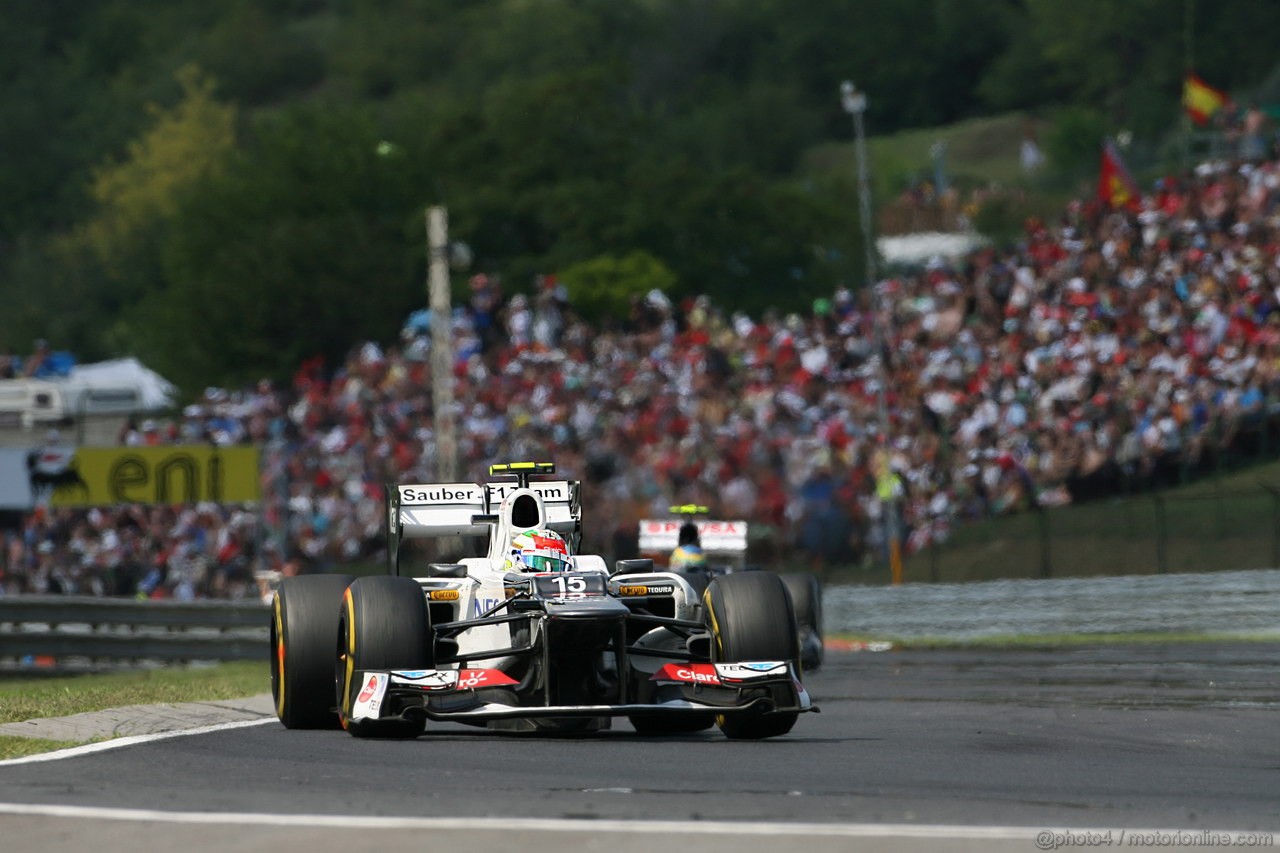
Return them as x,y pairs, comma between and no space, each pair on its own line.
1035,641
59,697
16,747
985,149
979,152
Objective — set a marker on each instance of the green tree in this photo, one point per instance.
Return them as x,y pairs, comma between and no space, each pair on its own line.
309,240
74,286
137,195
602,288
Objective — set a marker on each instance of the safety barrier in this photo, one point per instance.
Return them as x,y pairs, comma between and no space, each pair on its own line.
87,632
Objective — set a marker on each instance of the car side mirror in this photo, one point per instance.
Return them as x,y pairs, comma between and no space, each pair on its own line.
446,570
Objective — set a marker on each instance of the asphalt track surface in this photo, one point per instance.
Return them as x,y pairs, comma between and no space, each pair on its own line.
946,749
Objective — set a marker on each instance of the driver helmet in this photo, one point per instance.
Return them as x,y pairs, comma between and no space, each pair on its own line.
538,551
687,557
689,534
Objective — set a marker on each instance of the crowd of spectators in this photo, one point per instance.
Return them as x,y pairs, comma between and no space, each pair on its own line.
1085,357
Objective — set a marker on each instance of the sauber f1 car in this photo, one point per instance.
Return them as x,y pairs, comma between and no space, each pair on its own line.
724,545
554,651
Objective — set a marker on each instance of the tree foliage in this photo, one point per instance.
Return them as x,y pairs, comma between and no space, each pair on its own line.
249,219
603,288
306,242
142,192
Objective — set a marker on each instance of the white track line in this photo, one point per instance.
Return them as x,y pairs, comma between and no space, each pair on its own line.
593,827
132,740
507,824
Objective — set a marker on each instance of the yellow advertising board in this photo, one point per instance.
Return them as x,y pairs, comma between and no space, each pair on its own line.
180,474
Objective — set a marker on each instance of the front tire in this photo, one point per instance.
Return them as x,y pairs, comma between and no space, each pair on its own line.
806,600
304,631
383,624
751,619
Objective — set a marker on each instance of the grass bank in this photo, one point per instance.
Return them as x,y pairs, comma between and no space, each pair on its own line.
1229,522
28,699
17,747
982,149
978,152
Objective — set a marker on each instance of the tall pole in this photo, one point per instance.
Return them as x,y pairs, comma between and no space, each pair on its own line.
441,344
855,103
1189,61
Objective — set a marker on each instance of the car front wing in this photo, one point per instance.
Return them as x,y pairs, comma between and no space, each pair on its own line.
477,695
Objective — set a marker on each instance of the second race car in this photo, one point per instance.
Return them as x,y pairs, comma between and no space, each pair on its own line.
702,549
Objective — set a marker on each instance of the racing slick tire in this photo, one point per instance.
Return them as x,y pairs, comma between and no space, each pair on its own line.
806,600
304,632
751,619
383,624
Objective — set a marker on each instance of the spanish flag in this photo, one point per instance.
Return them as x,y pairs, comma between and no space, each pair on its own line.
1116,187
1201,100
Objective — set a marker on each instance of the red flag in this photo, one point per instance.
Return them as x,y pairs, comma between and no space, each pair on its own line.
1116,187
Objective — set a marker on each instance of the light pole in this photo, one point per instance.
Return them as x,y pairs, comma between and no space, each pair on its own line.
855,103
441,344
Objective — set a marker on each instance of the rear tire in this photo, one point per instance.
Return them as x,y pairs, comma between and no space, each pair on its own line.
806,600
384,624
751,619
304,632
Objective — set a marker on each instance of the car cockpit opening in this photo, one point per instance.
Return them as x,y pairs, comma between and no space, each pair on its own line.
525,512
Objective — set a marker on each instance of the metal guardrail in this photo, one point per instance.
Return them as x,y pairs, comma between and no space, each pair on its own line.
106,629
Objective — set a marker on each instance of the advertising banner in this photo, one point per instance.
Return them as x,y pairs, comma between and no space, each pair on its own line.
179,474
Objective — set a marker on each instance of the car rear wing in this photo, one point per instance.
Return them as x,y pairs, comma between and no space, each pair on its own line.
718,538
466,509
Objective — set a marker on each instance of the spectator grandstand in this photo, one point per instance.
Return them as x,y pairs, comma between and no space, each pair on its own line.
1104,352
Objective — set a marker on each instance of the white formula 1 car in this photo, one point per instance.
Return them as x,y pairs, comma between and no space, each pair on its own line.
724,544
563,651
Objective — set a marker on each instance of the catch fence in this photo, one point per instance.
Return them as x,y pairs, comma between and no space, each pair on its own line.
1210,529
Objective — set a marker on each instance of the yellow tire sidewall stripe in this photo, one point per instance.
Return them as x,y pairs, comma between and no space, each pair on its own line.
715,635
349,604
279,653
715,624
